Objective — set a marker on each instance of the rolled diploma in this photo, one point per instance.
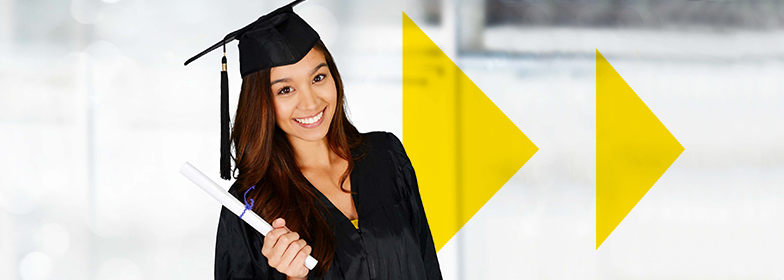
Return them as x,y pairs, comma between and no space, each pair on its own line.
231,203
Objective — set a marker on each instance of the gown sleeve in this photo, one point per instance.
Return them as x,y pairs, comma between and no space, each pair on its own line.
421,227
238,251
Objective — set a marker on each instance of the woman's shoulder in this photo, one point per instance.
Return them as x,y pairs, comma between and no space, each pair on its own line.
234,190
374,135
381,141
380,138
384,146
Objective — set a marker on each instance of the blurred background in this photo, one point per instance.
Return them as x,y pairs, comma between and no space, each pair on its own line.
97,114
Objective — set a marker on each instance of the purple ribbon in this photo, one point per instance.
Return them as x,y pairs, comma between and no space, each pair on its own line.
247,206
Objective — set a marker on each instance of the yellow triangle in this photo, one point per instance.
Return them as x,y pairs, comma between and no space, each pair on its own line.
633,149
463,148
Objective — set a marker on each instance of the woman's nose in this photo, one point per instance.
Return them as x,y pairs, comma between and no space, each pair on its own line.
308,99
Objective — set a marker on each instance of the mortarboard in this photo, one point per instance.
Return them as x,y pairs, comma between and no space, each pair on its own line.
278,38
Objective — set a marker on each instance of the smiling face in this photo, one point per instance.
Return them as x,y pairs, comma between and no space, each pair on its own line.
305,97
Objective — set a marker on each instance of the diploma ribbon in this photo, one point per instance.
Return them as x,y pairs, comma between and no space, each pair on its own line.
247,206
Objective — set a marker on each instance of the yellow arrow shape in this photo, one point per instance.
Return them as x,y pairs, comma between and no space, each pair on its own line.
633,149
463,148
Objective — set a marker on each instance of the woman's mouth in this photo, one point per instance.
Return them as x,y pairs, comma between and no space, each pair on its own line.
311,122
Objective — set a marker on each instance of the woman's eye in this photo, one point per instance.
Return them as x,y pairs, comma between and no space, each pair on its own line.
319,78
284,90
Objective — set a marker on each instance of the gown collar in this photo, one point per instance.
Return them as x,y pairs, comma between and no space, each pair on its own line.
342,224
340,218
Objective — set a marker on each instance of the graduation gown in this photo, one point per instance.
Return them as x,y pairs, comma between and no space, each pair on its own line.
393,240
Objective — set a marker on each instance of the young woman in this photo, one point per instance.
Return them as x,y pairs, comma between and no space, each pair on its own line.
348,199
310,172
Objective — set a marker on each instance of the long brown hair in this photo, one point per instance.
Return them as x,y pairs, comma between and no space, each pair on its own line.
266,159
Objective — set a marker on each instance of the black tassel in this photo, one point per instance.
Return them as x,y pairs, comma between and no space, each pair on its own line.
225,159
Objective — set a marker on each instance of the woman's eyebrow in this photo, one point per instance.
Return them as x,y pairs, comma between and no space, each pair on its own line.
311,73
280,80
317,68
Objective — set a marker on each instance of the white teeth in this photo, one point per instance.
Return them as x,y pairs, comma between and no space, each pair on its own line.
311,120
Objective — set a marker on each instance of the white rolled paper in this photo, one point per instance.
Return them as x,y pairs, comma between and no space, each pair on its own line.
231,203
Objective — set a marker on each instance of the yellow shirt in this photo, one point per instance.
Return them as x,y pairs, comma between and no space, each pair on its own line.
356,223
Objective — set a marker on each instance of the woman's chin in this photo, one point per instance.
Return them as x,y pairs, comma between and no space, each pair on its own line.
312,137
311,134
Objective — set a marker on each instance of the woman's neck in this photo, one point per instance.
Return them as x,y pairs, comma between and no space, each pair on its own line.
312,155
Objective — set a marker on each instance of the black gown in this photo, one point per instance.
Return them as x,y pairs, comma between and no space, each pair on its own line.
393,240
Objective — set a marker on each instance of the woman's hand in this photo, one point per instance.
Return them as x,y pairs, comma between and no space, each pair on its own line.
285,251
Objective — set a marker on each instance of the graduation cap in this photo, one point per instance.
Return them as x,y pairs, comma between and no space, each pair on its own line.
278,38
